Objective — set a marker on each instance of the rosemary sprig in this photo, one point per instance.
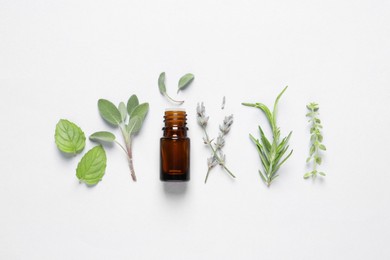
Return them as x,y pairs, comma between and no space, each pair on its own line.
315,140
271,153
217,156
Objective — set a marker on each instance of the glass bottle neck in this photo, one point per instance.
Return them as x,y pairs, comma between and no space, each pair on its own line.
175,124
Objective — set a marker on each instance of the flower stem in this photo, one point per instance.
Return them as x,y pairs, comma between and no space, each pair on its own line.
216,156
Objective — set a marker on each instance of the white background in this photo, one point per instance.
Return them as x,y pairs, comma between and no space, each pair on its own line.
57,58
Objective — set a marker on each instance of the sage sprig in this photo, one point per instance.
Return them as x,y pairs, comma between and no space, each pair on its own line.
271,153
217,156
184,81
128,118
315,140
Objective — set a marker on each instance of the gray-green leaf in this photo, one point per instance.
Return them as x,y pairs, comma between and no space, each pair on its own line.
322,147
69,138
132,103
102,137
109,112
135,124
122,109
92,166
161,83
185,81
140,110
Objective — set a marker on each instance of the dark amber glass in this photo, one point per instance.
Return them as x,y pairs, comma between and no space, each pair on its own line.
175,147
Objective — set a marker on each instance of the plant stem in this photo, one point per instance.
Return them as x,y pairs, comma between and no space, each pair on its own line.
216,155
172,100
128,151
207,175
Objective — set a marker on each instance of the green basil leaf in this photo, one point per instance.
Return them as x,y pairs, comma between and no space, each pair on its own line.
102,137
132,103
185,81
161,83
135,124
109,112
69,138
92,166
122,109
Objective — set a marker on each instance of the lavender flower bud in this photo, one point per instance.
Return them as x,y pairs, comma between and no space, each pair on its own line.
227,123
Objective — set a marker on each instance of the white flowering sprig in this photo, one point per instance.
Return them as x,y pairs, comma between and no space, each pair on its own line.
217,156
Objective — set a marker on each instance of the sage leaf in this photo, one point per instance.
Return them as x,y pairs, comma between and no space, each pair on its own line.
132,103
161,83
185,81
122,109
109,112
135,124
102,137
69,138
140,110
92,166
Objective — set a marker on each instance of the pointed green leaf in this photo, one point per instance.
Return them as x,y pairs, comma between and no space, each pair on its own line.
69,138
185,81
262,176
132,103
109,112
322,147
122,109
161,83
312,150
140,110
92,166
135,124
318,160
102,137
264,140
274,112
322,173
307,175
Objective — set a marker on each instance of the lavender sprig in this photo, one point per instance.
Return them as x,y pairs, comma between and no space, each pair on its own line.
217,156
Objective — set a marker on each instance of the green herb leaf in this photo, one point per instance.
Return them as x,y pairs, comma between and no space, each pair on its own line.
69,138
185,81
140,110
102,137
307,175
92,166
109,112
122,109
135,124
132,103
161,83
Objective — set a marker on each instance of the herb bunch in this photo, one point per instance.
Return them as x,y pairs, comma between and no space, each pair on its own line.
129,118
271,153
315,140
217,156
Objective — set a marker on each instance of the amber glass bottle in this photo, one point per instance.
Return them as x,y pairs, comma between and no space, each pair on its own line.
175,147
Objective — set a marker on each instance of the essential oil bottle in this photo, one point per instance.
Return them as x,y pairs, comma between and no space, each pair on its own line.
175,147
